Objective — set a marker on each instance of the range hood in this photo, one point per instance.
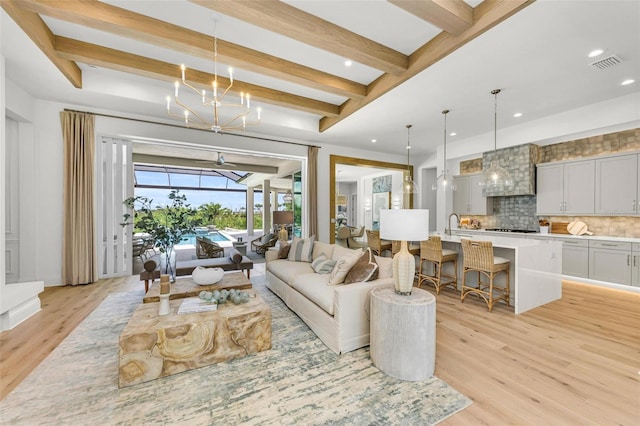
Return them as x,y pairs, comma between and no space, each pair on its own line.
520,161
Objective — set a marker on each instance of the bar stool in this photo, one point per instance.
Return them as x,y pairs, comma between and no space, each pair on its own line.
431,251
478,256
377,245
395,247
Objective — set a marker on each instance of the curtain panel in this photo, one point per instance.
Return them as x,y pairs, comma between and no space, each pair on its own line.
79,255
312,156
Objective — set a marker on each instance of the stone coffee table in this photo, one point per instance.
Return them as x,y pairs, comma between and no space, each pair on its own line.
153,346
186,287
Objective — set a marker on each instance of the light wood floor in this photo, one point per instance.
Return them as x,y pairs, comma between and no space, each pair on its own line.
575,361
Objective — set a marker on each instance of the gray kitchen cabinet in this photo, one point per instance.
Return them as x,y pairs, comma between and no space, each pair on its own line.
468,198
610,261
566,188
617,181
635,265
575,257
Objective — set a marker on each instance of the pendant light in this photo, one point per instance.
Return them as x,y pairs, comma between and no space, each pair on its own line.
496,177
445,181
409,186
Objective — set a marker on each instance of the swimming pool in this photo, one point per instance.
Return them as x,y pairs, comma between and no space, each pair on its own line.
216,236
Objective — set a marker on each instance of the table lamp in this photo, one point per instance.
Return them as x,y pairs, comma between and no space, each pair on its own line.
283,218
404,225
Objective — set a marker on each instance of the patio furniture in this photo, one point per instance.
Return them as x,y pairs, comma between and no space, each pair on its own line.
206,249
261,244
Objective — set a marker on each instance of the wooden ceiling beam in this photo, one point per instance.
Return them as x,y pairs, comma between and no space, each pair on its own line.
279,17
119,21
487,14
451,16
42,36
92,54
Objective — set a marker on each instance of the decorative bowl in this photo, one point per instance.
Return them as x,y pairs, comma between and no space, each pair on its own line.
206,276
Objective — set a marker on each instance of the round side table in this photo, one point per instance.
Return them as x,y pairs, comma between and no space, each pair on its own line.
403,333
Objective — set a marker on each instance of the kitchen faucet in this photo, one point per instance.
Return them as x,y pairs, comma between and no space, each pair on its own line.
449,223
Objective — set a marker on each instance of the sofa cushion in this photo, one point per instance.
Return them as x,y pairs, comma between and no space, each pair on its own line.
314,287
283,250
365,269
287,271
301,249
385,266
339,251
323,265
322,248
343,266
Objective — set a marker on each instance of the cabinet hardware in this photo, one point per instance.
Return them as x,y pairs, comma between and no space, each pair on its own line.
634,260
560,205
609,245
628,260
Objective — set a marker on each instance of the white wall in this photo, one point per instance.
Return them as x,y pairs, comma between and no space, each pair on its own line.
18,301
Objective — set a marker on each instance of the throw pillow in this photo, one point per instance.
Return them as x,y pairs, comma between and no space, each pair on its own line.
342,268
323,265
235,256
283,250
365,269
301,249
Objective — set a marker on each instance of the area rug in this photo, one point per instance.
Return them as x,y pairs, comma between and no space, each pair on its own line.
298,382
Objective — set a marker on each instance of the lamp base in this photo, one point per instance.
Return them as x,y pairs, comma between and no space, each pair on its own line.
404,270
283,235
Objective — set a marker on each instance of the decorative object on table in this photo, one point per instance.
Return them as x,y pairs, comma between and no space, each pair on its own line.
165,289
166,225
404,225
409,186
207,276
544,226
496,176
444,182
220,297
283,218
192,305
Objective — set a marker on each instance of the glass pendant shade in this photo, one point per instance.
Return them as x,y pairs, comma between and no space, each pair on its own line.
445,181
409,186
496,176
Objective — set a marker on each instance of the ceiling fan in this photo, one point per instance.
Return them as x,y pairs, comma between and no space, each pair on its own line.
218,162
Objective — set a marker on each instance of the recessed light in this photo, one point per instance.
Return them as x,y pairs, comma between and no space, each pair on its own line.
452,134
627,82
596,52
373,141
517,114
348,63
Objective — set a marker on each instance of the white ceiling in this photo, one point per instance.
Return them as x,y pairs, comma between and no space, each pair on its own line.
538,57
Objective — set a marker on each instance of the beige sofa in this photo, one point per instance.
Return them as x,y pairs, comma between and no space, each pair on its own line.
338,314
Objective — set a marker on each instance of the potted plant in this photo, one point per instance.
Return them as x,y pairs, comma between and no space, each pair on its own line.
165,225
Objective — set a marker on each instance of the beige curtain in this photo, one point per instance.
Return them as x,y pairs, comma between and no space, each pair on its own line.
312,158
79,255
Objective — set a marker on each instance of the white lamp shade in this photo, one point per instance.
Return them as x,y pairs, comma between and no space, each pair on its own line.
404,224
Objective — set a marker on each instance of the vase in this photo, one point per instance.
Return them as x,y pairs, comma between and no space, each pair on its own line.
168,263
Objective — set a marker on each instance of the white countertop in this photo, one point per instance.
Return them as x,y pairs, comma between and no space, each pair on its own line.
537,234
499,241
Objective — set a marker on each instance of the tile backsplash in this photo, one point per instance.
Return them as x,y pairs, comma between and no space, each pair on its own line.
520,211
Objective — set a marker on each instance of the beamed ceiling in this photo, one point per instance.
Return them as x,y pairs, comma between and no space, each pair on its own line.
407,56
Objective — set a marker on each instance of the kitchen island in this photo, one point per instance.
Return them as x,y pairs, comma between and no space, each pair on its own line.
535,271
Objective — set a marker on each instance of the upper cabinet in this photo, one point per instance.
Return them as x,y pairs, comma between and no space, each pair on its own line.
566,188
468,198
617,185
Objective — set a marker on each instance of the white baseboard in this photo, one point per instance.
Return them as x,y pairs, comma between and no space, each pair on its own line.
19,302
16,315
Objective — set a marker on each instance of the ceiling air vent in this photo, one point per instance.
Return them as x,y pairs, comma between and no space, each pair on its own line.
608,62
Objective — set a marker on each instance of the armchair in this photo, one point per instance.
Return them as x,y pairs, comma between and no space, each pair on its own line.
205,248
261,244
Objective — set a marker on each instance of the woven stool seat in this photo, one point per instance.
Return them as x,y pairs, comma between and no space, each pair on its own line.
478,256
431,252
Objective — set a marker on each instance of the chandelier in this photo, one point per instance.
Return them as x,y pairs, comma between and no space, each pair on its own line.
214,99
